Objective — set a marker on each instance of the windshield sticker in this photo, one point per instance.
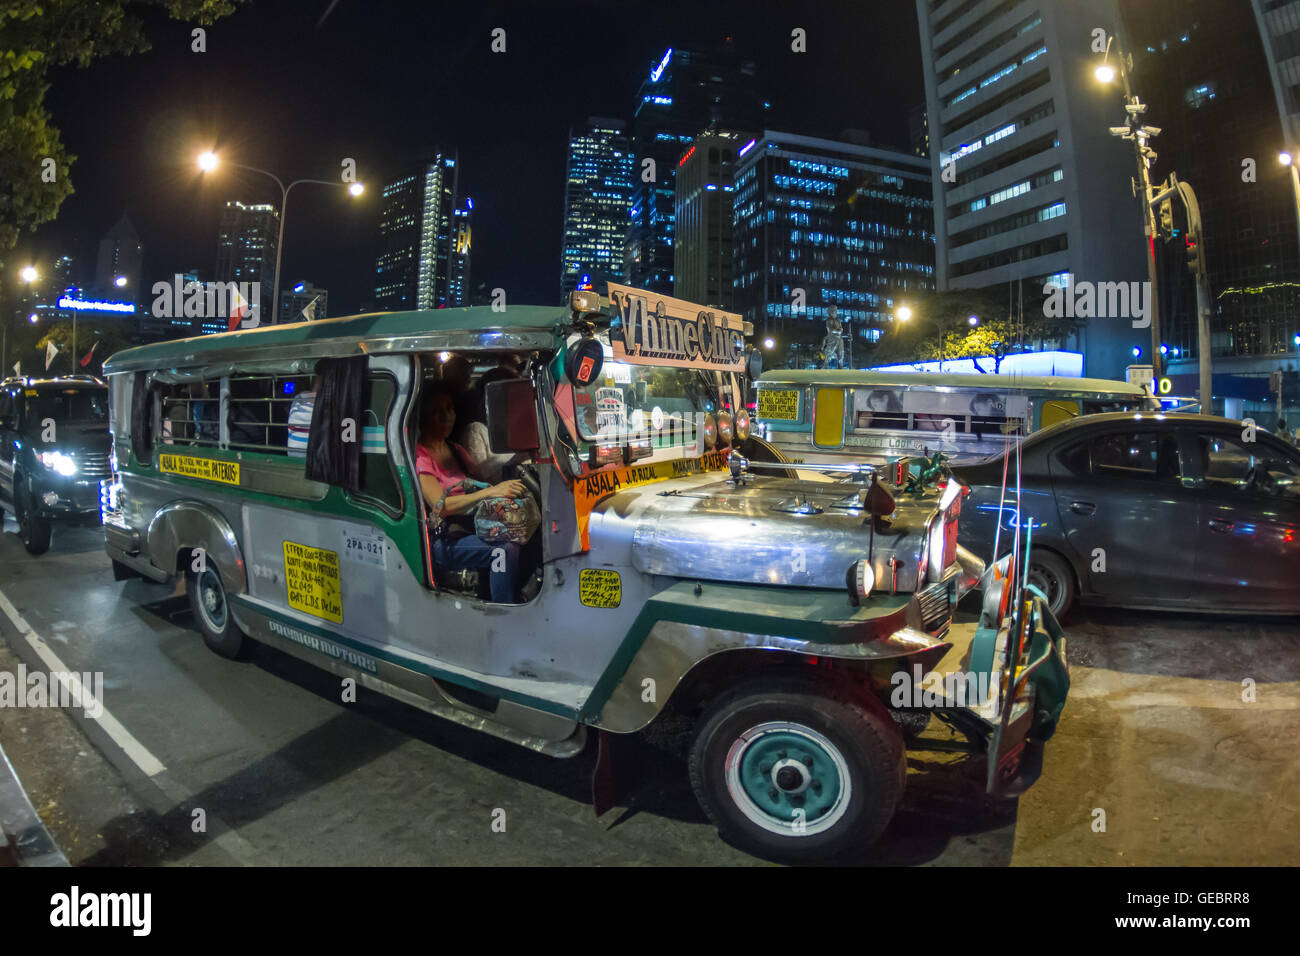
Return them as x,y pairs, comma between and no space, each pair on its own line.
674,332
598,587
205,469
591,489
781,405
312,583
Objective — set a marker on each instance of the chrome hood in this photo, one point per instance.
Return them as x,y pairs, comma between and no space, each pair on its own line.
768,530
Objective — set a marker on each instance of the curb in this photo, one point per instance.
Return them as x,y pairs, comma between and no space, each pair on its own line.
29,843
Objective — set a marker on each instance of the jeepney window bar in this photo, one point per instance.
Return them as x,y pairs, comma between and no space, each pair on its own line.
236,412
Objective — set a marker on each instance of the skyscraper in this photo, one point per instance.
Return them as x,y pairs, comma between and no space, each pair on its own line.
1029,186
298,297
418,238
120,257
1279,25
246,249
686,91
597,187
821,223
702,211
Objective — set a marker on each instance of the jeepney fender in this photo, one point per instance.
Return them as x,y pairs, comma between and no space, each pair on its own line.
670,655
188,524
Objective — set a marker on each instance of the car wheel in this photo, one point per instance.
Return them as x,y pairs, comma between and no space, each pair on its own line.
212,614
34,529
793,769
1051,575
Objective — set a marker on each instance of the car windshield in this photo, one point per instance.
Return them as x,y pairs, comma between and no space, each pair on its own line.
626,401
67,406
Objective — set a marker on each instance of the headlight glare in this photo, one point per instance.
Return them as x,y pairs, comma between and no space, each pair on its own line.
59,463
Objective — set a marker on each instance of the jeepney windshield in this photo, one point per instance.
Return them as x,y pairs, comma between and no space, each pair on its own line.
626,401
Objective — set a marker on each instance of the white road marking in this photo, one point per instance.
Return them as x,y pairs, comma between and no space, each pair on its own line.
139,754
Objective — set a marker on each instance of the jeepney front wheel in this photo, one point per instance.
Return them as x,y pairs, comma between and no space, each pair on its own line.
211,608
793,769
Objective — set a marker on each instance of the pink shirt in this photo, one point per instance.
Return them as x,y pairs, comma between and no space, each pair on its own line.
450,478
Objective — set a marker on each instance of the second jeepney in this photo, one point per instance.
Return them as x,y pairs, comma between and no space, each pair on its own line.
674,576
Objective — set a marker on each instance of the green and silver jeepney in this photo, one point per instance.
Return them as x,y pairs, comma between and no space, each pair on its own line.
844,414
674,577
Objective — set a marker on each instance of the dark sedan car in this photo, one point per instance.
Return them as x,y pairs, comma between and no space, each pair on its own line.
1150,510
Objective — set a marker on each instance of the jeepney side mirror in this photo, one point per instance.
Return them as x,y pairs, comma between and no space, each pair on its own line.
512,416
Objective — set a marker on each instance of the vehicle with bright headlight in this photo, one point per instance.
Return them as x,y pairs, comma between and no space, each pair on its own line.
54,452
677,576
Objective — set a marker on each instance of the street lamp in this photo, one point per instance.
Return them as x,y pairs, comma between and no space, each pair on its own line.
974,320
120,282
903,313
208,162
769,343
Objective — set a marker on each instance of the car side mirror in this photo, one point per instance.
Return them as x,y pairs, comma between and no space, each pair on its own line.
512,416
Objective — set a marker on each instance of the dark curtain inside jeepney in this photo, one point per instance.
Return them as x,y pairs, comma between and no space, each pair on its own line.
340,399
141,418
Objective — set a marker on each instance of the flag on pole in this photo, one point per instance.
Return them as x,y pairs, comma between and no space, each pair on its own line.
85,359
309,313
18,369
51,350
239,309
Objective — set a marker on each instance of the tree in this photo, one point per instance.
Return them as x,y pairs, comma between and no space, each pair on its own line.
940,329
36,38
30,344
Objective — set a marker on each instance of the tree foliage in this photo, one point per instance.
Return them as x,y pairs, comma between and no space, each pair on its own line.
35,38
940,329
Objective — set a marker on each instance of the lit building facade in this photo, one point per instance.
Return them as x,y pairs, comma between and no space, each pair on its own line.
419,238
246,248
702,211
1037,190
597,190
849,225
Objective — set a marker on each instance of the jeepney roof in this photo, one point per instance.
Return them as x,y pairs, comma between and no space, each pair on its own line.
476,328
869,379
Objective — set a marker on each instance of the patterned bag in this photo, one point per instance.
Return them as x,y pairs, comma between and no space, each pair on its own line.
507,519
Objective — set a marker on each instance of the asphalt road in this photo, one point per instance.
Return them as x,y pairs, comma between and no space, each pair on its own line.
215,762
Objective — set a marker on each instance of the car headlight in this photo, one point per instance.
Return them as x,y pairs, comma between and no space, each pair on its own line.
59,463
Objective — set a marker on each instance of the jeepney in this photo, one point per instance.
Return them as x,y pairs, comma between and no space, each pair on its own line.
842,414
674,576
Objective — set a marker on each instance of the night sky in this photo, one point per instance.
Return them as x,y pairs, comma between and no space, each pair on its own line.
379,81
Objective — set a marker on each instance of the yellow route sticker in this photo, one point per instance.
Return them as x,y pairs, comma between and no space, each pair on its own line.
780,405
598,587
311,578
207,469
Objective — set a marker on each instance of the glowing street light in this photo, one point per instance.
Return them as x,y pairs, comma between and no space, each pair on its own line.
208,161
973,320
1105,73
120,282
29,274
769,343
32,318
1284,158
903,313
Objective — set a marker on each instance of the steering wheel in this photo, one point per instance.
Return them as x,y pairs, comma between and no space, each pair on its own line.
1259,478
529,477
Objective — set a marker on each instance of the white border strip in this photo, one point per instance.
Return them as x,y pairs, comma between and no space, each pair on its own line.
139,754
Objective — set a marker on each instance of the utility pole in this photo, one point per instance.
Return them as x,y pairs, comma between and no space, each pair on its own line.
1195,243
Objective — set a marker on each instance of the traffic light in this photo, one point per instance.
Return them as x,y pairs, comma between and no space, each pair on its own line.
1167,219
1194,259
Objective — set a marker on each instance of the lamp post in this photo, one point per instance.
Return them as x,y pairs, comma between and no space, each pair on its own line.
29,277
1138,134
208,162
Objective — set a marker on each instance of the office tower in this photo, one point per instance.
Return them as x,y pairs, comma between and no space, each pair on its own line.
458,272
298,297
1204,72
246,249
117,267
702,212
918,132
1030,188
417,237
62,273
685,92
1278,22
597,189
824,222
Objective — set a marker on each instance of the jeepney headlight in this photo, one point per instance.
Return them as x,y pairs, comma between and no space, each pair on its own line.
724,428
935,548
860,579
59,463
710,429
742,424
605,454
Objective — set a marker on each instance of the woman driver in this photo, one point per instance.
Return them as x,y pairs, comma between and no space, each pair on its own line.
440,466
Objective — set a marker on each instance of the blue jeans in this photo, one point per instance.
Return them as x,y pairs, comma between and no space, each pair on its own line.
473,553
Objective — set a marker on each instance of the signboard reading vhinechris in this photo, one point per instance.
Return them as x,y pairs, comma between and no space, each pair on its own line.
661,330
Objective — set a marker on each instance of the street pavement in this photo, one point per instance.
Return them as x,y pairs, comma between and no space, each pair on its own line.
202,761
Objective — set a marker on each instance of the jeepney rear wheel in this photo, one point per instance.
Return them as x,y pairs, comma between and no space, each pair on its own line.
1053,577
211,609
798,770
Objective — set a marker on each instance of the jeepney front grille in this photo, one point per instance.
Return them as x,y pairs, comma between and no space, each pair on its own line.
936,607
94,466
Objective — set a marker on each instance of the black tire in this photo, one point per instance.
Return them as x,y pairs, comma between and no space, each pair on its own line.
212,615
762,719
1055,579
34,529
